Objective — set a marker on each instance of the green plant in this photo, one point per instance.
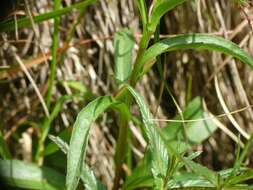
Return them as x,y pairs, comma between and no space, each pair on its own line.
166,164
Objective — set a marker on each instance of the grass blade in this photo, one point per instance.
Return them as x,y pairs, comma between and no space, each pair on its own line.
25,22
123,45
80,136
26,175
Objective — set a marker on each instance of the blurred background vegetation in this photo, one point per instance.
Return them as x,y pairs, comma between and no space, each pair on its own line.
86,66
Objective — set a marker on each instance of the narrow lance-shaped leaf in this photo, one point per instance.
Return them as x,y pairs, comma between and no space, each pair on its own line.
160,157
244,176
30,176
189,181
87,175
123,45
143,11
80,136
52,146
64,147
197,41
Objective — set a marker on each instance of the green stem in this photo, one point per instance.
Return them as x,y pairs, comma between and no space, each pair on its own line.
120,150
124,96
53,65
122,139
47,123
45,131
137,70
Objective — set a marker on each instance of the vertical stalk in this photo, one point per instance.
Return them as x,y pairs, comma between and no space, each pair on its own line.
53,65
120,150
126,97
137,66
122,139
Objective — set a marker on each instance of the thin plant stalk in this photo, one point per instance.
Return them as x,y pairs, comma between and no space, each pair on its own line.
55,46
127,98
120,150
53,67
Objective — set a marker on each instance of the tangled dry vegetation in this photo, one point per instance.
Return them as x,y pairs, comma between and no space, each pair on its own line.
225,84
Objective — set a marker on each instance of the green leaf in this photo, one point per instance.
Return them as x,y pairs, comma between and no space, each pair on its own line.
161,7
206,173
160,156
123,45
186,179
196,131
26,175
190,157
52,146
209,175
230,172
60,143
247,175
142,176
196,41
80,136
143,11
87,175
26,22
